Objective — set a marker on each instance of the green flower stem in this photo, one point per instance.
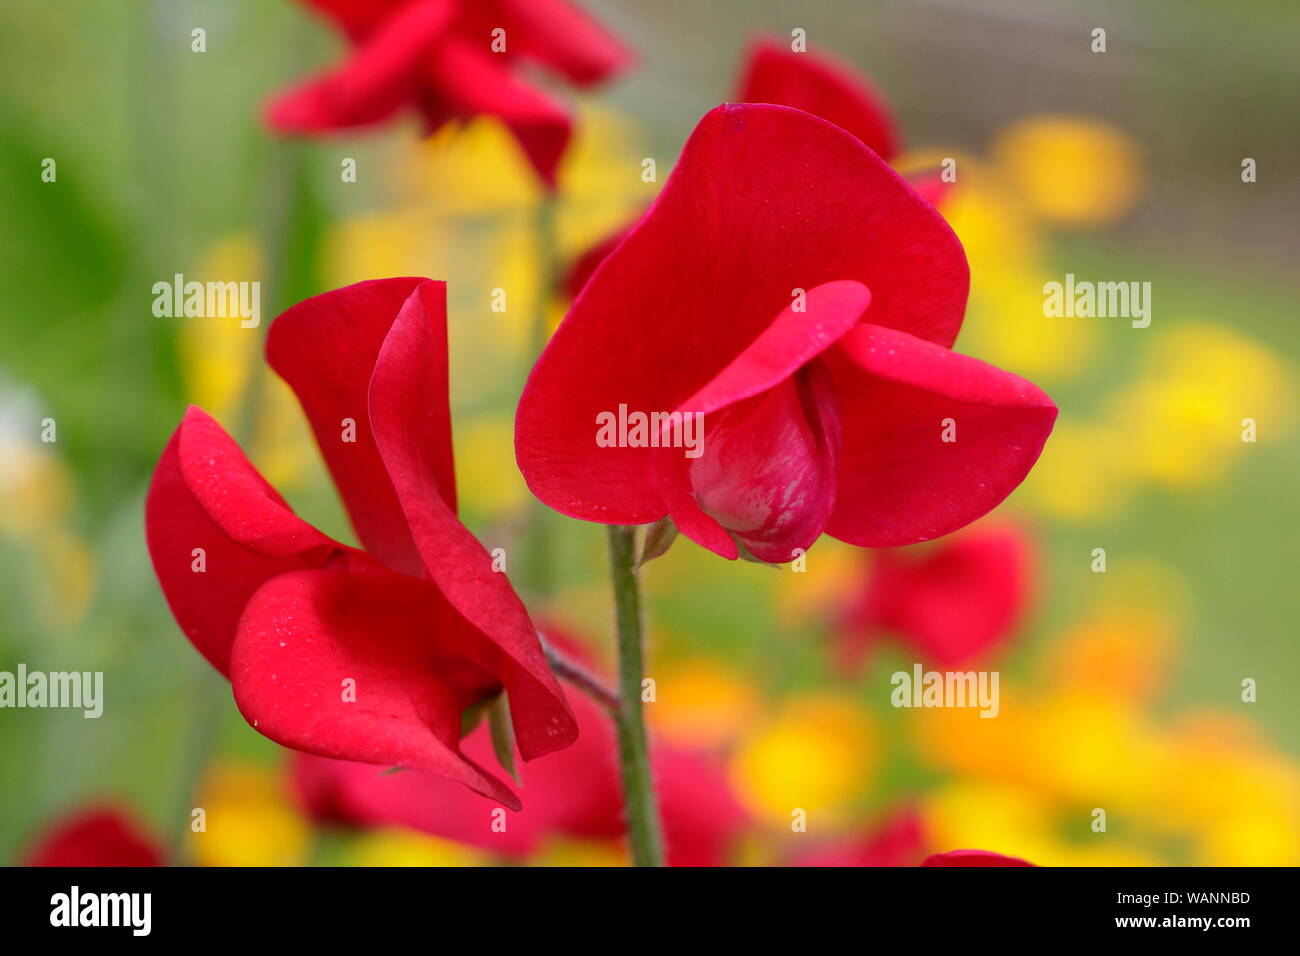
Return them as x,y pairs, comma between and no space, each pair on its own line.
634,756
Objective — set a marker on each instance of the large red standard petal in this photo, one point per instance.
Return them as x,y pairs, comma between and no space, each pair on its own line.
932,439
823,85
361,666
765,202
217,531
412,427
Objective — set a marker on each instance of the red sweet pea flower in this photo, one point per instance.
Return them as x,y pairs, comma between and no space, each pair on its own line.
417,626
437,57
575,793
789,287
96,836
952,604
973,858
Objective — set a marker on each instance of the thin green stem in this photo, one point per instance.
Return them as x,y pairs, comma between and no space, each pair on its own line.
634,754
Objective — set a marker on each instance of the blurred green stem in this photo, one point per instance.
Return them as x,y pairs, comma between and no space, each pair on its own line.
539,558
634,755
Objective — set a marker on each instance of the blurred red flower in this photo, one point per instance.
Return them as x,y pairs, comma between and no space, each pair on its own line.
95,836
952,604
364,655
898,841
452,60
574,793
790,288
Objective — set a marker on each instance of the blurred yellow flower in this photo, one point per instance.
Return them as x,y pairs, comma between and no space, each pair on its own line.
1082,474
249,819
487,478
1073,170
702,703
818,754
398,847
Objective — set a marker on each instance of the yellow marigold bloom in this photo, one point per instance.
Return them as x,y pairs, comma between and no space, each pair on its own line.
1077,171
249,819
818,754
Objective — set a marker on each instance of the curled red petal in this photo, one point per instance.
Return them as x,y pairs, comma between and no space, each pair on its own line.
372,667
822,84
900,480
325,347
412,428
217,531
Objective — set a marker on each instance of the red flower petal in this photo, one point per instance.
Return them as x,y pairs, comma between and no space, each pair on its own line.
823,85
562,36
414,662
765,200
97,836
206,494
466,80
412,428
574,793
377,79
325,347
900,483
972,858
